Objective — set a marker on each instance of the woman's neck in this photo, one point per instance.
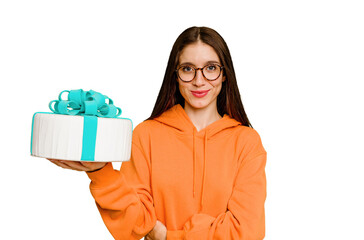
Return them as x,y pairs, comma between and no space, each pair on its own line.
202,117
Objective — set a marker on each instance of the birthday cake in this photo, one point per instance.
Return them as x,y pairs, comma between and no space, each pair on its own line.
85,127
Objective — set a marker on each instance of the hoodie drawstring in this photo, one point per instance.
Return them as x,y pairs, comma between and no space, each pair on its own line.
204,169
204,166
194,163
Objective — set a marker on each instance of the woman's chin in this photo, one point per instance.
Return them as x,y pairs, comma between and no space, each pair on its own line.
199,104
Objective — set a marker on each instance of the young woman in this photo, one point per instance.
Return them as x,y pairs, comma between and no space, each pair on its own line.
197,168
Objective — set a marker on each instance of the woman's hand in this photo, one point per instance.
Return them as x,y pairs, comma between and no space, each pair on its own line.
159,232
78,165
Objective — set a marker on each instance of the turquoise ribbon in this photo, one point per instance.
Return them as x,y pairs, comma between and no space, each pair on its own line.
90,105
89,138
81,102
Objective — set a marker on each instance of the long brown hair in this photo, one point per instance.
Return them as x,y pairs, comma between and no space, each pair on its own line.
228,100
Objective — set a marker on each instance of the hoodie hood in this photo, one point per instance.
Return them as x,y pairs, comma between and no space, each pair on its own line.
177,118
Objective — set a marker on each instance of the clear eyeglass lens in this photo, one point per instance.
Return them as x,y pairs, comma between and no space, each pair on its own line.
211,72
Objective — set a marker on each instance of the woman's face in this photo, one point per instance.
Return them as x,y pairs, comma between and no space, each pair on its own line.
199,55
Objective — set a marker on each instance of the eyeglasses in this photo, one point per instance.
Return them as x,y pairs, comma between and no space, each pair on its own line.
187,72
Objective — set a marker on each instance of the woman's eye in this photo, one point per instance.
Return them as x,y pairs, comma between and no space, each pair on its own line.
211,68
187,69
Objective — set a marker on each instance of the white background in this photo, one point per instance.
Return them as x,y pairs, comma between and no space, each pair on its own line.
299,65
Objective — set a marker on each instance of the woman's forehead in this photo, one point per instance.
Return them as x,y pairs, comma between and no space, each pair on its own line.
198,53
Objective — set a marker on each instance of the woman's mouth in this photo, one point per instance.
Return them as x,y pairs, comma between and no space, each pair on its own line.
200,94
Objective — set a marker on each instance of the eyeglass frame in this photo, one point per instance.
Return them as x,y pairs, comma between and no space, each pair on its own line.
196,69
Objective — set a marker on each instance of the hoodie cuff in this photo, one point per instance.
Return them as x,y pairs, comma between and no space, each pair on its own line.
104,176
175,235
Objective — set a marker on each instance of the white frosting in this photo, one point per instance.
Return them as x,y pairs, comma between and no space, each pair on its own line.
60,137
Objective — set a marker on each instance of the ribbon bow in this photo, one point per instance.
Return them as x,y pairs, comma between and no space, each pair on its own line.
85,103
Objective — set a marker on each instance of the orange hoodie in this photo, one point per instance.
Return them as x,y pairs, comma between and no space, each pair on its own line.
207,184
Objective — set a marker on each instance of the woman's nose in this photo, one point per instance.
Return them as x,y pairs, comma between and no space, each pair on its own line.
199,78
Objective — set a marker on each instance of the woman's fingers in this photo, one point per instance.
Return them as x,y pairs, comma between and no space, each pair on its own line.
148,237
75,165
66,164
91,166
58,163
78,166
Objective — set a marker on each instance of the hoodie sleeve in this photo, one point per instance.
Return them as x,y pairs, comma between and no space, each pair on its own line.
124,197
245,216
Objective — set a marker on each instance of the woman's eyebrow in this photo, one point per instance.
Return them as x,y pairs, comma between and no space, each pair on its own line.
208,62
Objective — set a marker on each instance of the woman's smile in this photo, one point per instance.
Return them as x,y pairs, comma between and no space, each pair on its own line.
200,94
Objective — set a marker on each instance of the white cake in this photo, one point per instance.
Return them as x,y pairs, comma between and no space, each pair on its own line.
60,136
